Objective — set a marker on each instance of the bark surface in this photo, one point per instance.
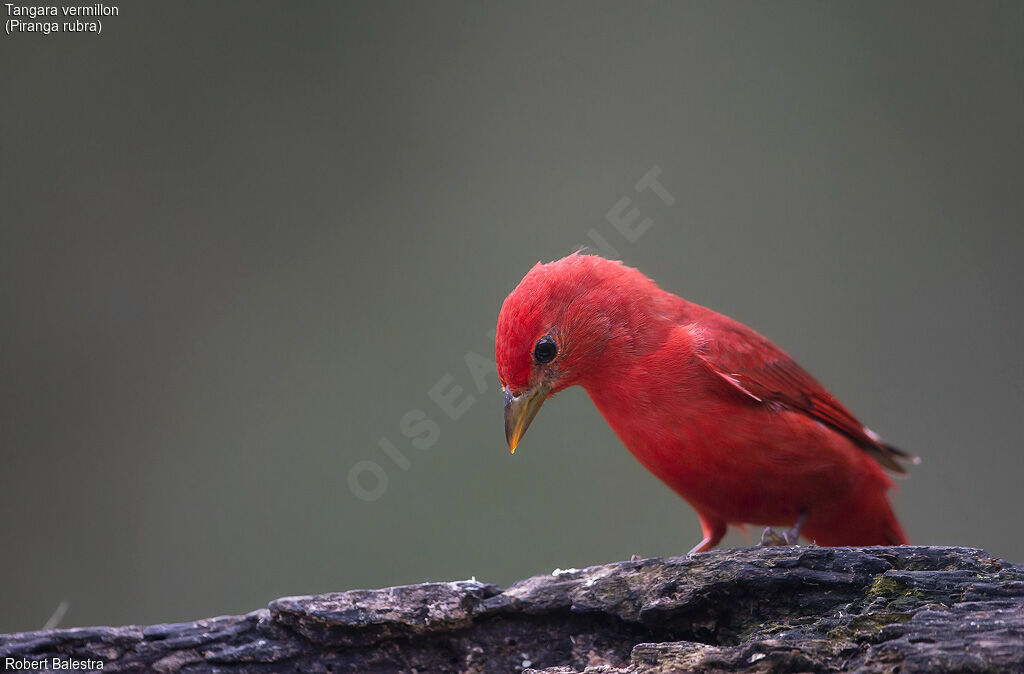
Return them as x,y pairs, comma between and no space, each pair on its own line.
791,609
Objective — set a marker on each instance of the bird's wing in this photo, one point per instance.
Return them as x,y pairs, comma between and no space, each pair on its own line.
755,367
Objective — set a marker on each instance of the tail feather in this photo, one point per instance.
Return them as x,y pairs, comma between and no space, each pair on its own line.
887,456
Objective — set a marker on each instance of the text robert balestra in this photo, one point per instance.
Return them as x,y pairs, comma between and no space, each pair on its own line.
52,664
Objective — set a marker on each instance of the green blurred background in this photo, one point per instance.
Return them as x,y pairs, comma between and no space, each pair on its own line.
240,241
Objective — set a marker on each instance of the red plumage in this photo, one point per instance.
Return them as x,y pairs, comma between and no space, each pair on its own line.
716,411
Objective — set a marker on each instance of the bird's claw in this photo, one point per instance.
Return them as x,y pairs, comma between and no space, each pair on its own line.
771,537
787,537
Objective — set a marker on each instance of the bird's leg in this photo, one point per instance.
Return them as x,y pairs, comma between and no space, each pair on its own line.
714,531
793,535
787,537
704,545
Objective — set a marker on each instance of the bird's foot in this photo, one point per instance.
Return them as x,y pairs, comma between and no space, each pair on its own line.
787,537
771,537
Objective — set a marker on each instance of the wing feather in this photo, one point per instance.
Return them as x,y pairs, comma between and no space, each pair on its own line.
755,367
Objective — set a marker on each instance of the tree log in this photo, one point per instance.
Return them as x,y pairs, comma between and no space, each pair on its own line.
787,609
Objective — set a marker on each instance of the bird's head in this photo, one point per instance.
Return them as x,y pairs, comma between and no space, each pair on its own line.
562,325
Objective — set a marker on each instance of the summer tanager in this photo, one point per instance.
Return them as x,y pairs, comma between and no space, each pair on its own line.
716,411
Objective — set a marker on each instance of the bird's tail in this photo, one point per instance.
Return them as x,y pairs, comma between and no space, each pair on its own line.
891,458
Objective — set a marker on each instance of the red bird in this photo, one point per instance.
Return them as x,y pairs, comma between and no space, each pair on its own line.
720,414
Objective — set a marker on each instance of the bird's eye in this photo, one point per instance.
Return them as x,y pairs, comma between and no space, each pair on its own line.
545,351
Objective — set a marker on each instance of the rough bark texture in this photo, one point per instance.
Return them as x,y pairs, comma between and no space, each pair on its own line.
797,609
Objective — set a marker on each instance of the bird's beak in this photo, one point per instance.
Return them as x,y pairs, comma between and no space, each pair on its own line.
520,411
